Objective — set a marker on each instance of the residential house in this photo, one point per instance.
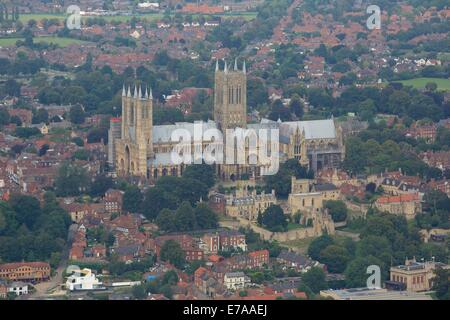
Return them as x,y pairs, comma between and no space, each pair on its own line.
25,271
415,276
235,280
18,288
113,201
294,260
407,205
191,249
3,289
224,241
83,280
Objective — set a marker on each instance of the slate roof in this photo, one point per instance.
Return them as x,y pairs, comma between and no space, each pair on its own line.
315,129
292,257
325,187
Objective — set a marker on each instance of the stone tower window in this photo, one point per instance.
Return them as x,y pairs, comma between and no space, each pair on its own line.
131,115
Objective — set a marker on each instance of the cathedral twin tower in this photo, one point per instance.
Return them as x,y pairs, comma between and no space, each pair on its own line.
135,145
132,148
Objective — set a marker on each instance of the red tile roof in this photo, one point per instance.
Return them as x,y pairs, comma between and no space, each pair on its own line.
400,198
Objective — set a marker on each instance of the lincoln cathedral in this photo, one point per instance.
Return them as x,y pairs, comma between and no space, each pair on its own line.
138,148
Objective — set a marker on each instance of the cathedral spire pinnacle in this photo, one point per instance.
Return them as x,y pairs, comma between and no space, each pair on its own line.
217,65
235,65
124,93
135,92
226,67
140,92
129,92
146,92
151,94
244,68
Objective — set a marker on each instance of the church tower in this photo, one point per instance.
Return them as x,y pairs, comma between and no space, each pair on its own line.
135,146
230,97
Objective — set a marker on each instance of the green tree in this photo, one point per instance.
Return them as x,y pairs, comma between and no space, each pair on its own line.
318,244
72,180
185,217
155,200
201,172
27,209
132,199
139,292
335,258
356,272
77,114
40,116
296,106
274,219
166,221
441,283
355,158
307,290
4,117
337,209
315,279
172,252
100,185
205,217
378,247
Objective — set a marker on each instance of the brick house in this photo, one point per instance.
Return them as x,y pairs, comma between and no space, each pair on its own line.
186,242
224,240
113,201
25,271
3,289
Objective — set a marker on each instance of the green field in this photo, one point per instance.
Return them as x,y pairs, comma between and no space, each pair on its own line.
4,42
443,84
62,42
123,18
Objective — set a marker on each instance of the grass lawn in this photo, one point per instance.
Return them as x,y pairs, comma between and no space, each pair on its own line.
62,42
293,226
443,84
299,245
4,42
123,18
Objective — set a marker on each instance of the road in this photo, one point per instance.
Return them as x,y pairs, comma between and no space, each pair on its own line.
53,286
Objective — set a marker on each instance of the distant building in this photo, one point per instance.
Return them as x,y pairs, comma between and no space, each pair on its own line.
25,271
115,131
191,250
224,241
83,280
144,150
77,211
293,260
3,289
18,288
415,276
113,201
235,280
308,196
407,205
372,294
248,204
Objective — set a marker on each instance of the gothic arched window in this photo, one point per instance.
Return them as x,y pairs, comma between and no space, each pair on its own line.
131,115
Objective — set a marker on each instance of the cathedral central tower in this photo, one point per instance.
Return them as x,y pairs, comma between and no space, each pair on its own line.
230,97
